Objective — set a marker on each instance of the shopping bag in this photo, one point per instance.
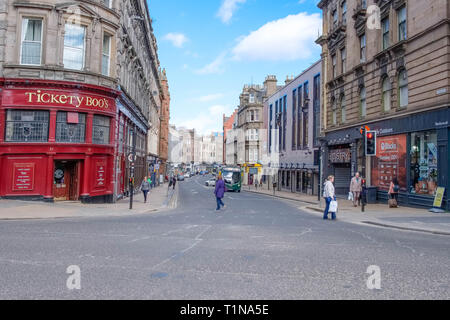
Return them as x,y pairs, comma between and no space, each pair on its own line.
350,196
392,203
333,206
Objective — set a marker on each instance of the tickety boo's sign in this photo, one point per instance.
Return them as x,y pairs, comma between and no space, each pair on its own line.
73,99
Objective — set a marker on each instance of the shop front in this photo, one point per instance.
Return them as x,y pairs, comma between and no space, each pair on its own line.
56,141
413,149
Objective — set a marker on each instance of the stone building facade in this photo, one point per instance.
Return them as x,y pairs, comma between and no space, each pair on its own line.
385,66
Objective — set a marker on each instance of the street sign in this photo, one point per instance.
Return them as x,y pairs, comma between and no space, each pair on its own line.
439,197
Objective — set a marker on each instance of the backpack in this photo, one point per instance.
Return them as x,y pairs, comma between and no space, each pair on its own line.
396,188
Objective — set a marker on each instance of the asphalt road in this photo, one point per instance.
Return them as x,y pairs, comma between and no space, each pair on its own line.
256,248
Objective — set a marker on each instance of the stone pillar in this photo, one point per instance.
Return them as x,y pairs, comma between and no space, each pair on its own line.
89,123
48,196
52,126
86,170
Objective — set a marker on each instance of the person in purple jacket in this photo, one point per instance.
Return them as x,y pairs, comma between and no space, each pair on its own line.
219,191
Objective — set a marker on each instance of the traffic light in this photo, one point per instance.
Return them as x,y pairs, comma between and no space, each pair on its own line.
371,143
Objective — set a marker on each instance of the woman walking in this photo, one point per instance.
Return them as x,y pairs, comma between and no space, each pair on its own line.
329,195
394,188
219,192
145,187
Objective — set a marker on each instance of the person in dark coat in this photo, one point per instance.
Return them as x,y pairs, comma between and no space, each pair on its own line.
219,192
174,181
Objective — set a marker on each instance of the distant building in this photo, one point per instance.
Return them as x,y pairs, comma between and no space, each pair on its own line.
292,139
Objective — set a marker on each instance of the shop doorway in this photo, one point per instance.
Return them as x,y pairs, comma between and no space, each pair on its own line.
66,177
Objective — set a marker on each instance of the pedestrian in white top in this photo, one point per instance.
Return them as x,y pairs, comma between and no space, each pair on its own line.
329,195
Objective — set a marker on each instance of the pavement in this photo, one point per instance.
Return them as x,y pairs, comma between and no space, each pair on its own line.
257,248
158,199
402,218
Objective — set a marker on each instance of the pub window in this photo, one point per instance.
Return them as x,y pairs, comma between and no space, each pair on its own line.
74,46
362,52
299,117
343,110
70,127
334,112
106,55
27,126
294,114
362,102
401,15
333,59
344,60
335,18
31,47
386,94
344,12
100,130
403,89
107,3
385,28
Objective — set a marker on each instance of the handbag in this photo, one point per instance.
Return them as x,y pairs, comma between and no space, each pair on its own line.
333,206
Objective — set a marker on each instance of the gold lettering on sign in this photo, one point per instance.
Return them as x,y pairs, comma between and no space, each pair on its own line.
75,101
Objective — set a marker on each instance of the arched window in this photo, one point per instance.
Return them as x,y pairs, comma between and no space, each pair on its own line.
343,110
403,89
386,87
362,102
334,112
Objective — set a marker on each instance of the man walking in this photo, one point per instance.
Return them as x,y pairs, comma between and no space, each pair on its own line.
356,188
219,191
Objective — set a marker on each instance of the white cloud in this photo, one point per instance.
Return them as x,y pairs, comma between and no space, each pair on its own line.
209,121
227,9
177,39
215,67
210,97
287,39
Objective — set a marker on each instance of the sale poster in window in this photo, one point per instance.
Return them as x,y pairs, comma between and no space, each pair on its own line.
389,162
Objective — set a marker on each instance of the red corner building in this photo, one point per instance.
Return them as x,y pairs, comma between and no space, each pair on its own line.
56,141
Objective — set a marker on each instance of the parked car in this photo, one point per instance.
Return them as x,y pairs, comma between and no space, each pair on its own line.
187,175
180,177
210,183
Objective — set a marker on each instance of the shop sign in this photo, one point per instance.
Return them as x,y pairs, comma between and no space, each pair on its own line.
77,100
23,177
340,155
439,197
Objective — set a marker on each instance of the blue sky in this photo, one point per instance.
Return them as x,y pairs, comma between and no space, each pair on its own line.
211,48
